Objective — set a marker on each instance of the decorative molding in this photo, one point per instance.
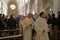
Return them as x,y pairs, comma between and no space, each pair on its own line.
10,11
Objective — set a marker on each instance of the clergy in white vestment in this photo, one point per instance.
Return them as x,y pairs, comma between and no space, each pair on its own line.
28,24
41,27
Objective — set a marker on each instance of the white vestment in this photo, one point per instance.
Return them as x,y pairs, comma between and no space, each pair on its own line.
41,25
27,29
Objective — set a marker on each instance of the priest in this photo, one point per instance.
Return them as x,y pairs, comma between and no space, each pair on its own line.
41,27
27,25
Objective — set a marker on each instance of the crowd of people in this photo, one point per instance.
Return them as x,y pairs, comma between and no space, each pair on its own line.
54,21
35,26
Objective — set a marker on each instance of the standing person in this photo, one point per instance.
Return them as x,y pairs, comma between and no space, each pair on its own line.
58,21
27,27
2,27
17,20
49,19
3,17
21,24
41,27
54,21
11,24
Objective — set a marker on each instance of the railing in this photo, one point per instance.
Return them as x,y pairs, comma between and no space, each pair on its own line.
8,36
13,36
9,30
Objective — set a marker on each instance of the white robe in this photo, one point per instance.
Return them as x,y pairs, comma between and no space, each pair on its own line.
41,25
27,29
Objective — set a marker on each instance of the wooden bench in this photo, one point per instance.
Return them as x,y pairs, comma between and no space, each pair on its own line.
9,30
13,36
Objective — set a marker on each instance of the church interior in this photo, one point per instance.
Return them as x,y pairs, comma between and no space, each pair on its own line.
20,9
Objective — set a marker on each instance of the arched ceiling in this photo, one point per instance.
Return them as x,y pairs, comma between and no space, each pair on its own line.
46,3
22,1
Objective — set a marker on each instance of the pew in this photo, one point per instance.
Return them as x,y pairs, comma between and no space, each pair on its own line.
19,35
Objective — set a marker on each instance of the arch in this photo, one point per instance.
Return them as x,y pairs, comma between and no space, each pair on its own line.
12,4
49,10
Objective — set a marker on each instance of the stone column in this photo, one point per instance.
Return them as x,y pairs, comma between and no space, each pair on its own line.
0,6
35,6
4,7
26,8
58,5
39,6
55,9
31,5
